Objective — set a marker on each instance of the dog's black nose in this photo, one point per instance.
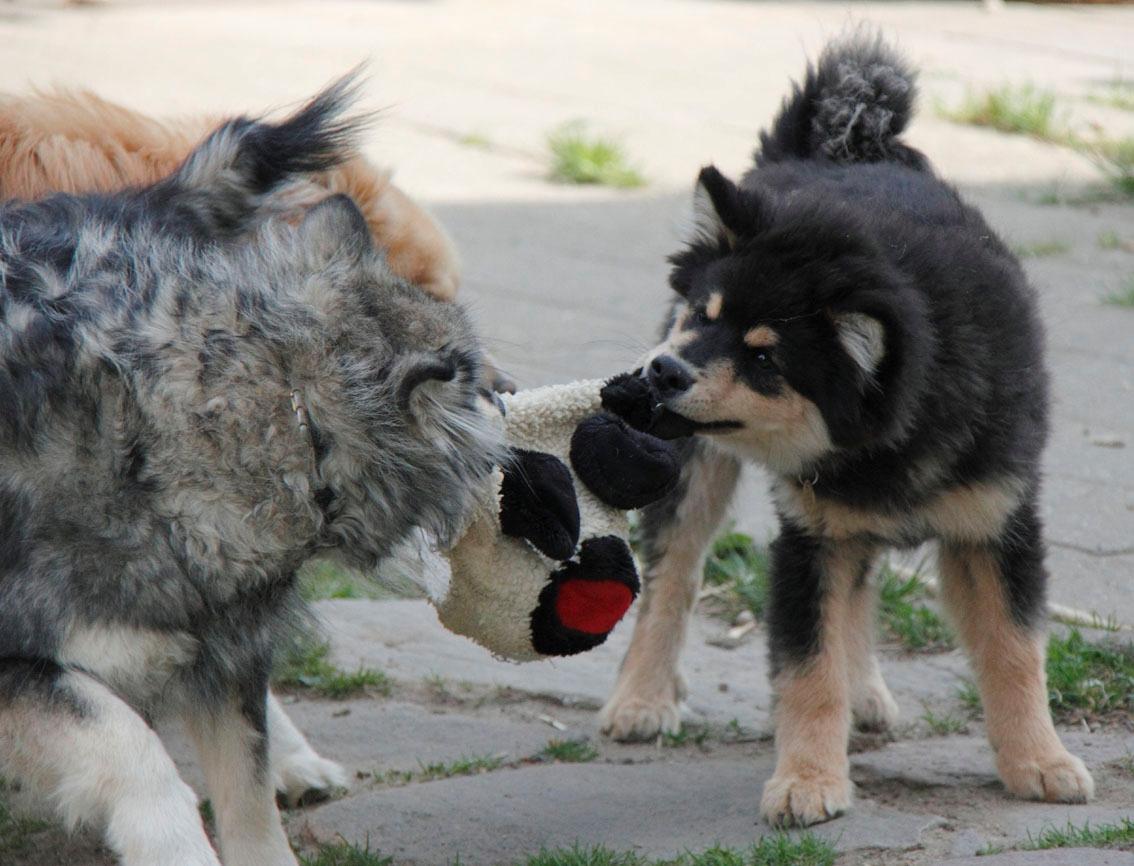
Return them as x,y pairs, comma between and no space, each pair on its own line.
669,376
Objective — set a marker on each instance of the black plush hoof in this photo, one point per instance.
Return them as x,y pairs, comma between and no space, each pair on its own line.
631,397
622,466
585,600
537,502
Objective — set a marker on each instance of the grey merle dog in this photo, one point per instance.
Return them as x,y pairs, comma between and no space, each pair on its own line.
198,397
846,320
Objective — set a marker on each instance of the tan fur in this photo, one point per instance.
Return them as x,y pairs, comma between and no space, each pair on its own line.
649,689
1009,664
966,513
713,307
811,782
761,337
872,705
78,142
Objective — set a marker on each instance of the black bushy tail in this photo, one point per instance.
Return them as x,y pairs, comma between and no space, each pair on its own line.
224,180
852,107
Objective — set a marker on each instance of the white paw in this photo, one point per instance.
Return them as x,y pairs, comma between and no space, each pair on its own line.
641,713
1059,777
803,798
304,776
874,708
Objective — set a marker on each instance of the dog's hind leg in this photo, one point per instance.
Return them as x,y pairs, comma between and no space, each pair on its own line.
231,736
69,739
811,619
676,531
297,769
872,706
994,593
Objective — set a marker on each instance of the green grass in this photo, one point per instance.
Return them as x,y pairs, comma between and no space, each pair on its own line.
320,579
477,140
579,157
740,568
1118,93
1109,241
1089,680
1115,158
1041,249
1123,297
969,695
778,849
345,854
906,618
16,832
307,666
689,735
945,724
1119,835
472,765
1021,109
569,751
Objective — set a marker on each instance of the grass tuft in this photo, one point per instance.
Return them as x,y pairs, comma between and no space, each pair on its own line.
16,832
472,765
906,618
320,580
1070,836
740,569
779,849
569,751
945,724
1118,93
579,157
1115,158
1041,249
345,854
1123,297
689,735
1021,109
1089,680
307,666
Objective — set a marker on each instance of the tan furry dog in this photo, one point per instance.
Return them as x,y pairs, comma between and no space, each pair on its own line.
76,141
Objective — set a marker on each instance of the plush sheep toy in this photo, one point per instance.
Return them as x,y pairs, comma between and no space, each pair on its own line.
544,567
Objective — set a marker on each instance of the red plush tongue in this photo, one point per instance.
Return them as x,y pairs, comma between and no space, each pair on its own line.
592,606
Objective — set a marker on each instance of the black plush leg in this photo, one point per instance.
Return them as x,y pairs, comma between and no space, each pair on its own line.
622,466
537,502
585,599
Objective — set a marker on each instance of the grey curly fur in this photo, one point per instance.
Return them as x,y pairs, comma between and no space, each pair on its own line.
865,98
152,471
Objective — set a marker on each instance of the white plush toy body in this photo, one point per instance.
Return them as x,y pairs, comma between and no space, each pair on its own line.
544,567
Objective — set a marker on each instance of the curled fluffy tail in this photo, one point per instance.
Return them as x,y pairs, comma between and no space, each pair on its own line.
225,180
851,108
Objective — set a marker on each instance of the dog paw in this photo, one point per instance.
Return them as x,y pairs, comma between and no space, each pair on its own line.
643,713
805,798
874,708
1056,778
307,778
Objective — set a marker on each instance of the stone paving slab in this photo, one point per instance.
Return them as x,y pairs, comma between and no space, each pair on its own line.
1057,857
404,639
670,808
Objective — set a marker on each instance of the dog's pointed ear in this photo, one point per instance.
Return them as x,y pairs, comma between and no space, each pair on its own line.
335,229
863,338
720,210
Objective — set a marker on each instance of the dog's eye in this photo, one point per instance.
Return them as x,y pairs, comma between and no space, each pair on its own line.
764,359
700,318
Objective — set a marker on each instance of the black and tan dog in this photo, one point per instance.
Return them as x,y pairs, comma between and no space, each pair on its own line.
846,320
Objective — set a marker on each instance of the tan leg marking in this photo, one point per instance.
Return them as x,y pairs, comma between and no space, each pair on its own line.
1009,665
646,699
872,706
812,781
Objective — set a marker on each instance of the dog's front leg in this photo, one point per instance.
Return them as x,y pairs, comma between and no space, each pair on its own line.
297,769
994,593
231,736
812,584
675,533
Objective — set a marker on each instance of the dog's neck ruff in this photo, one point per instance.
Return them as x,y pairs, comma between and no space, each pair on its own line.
323,495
